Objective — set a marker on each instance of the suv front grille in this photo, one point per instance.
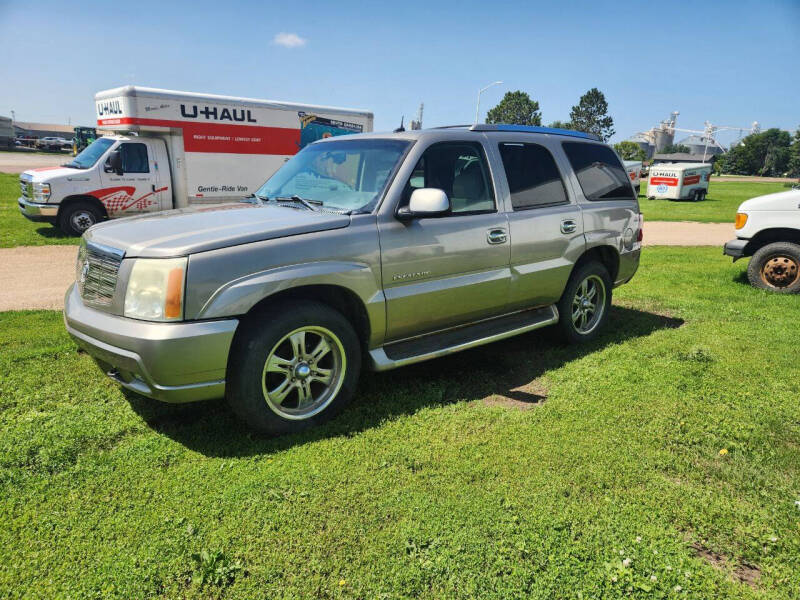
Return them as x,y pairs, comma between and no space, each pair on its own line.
97,272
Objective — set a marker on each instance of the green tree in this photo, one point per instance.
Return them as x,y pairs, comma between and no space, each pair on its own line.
630,151
675,148
516,108
767,153
591,115
561,125
794,155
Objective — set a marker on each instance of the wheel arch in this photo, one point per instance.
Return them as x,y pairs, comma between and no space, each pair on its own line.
770,236
337,297
70,200
605,254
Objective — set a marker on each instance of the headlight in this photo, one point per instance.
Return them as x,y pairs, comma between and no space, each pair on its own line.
155,289
41,191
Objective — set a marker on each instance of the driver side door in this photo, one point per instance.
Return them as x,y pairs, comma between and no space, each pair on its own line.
439,272
134,191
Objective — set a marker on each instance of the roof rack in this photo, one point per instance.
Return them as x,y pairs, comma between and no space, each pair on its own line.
536,129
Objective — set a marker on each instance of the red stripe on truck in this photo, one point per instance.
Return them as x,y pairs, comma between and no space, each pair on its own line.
665,180
691,180
224,138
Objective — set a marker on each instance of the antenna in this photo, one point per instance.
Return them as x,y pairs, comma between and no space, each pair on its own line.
401,128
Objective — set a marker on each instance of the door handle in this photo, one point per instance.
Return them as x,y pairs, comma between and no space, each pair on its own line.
154,187
568,226
496,236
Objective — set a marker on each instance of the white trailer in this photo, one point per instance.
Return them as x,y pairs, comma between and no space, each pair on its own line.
165,149
634,170
679,181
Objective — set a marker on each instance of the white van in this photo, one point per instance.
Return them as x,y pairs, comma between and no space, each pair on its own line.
166,149
679,181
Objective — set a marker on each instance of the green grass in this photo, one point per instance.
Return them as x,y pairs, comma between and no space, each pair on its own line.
450,479
16,230
724,197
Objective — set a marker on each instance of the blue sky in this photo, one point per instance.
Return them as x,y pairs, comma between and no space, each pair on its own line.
731,62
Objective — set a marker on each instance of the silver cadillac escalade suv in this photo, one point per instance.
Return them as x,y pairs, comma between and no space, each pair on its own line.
374,249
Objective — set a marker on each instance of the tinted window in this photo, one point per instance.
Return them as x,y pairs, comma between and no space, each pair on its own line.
533,176
459,169
134,158
599,171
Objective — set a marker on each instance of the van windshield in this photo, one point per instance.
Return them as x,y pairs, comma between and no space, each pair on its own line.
91,154
342,175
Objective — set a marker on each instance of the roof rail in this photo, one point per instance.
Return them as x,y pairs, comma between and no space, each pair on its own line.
536,129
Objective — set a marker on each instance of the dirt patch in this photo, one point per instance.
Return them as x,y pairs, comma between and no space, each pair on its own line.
686,233
35,277
743,573
522,397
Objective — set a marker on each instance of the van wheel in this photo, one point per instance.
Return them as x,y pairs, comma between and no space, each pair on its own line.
701,195
77,217
776,267
294,365
584,306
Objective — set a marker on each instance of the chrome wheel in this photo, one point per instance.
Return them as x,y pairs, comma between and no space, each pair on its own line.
81,220
589,304
303,372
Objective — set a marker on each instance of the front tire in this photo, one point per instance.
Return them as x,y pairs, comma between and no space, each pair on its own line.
776,267
77,217
583,308
293,366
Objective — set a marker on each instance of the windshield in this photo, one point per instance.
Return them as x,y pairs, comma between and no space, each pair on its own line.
91,154
346,175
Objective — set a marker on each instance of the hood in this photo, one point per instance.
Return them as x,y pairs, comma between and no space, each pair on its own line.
200,228
789,200
48,174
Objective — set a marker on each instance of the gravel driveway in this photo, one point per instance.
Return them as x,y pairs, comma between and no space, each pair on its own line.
36,277
17,162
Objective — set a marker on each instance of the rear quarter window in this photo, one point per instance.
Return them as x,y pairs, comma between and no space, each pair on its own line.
599,171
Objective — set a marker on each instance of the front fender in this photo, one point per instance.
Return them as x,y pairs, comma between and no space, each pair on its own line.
237,297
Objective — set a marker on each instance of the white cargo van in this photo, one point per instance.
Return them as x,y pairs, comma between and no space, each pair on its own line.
165,149
679,181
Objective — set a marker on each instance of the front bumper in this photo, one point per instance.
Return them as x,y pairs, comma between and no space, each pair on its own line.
36,211
735,248
171,362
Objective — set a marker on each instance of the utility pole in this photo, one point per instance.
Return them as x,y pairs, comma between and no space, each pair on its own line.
480,91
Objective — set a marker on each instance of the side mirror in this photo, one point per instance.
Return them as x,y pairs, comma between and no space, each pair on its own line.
425,202
114,163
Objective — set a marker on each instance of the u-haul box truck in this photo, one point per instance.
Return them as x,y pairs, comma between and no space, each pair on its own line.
164,149
679,181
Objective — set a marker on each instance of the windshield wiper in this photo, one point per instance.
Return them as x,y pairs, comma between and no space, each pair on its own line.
309,204
72,165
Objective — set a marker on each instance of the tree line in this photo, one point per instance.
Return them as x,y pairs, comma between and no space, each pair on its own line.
590,114
771,153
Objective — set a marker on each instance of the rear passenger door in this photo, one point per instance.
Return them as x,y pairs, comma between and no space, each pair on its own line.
545,224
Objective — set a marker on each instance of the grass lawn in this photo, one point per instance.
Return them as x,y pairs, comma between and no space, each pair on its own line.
16,230
662,461
724,197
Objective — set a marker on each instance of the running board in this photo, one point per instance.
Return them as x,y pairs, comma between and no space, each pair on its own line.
434,345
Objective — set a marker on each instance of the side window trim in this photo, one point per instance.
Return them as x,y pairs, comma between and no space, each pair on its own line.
486,170
559,170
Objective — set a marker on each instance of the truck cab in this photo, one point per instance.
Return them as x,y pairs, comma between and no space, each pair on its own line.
114,176
768,231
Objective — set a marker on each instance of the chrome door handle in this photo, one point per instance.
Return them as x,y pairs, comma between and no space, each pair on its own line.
496,236
568,226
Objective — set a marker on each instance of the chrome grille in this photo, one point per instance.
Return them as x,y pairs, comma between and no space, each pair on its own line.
26,188
97,272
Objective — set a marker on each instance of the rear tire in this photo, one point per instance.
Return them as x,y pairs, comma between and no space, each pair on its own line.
293,366
583,308
77,217
776,267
